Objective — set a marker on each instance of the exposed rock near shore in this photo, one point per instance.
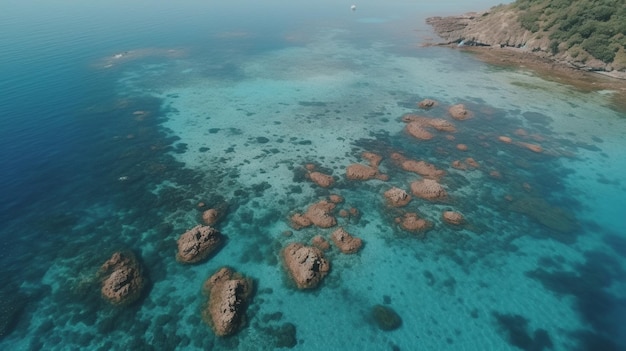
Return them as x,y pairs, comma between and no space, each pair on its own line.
122,280
228,299
501,28
306,265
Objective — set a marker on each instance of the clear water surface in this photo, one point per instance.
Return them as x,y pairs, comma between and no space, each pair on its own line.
118,119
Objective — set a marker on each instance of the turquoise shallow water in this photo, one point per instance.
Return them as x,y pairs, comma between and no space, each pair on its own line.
117,120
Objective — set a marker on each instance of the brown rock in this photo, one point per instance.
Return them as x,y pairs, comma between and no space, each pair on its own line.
471,162
417,130
321,179
458,165
210,216
336,199
198,243
346,243
505,139
374,159
306,265
122,281
427,104
453,218
343,213
228,299
321,243
428,189
461,147
422,168
442,125
532,147
309,167
299,221
320,214
520,132
413,223
397,197
459,112
360,172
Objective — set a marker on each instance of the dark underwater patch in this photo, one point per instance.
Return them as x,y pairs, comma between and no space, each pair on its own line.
514,328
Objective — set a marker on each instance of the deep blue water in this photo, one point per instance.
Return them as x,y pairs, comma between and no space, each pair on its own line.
225,103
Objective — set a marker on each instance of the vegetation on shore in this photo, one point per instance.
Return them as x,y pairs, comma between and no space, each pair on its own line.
581,29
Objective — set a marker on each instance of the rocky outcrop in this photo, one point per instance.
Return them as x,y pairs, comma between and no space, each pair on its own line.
318,214
428,189
501,28
422,168
122,280
321,179
459,112
306,265
346,243
198,243
362,172
418,126
229,293
397,197
427,104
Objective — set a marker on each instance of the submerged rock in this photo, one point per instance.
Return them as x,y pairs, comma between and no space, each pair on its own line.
306,265
198,243
122,280
452,217
386,318
229,293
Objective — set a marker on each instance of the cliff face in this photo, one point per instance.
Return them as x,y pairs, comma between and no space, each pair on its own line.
501,27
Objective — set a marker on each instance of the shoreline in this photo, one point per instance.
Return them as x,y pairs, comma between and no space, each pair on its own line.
547,68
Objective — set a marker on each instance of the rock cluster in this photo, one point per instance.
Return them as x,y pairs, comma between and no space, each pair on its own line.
422,168
198,243
418,126
318,214
346,243
306,265
362,172
228,299
122,280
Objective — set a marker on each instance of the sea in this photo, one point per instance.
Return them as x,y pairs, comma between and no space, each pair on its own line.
121,122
